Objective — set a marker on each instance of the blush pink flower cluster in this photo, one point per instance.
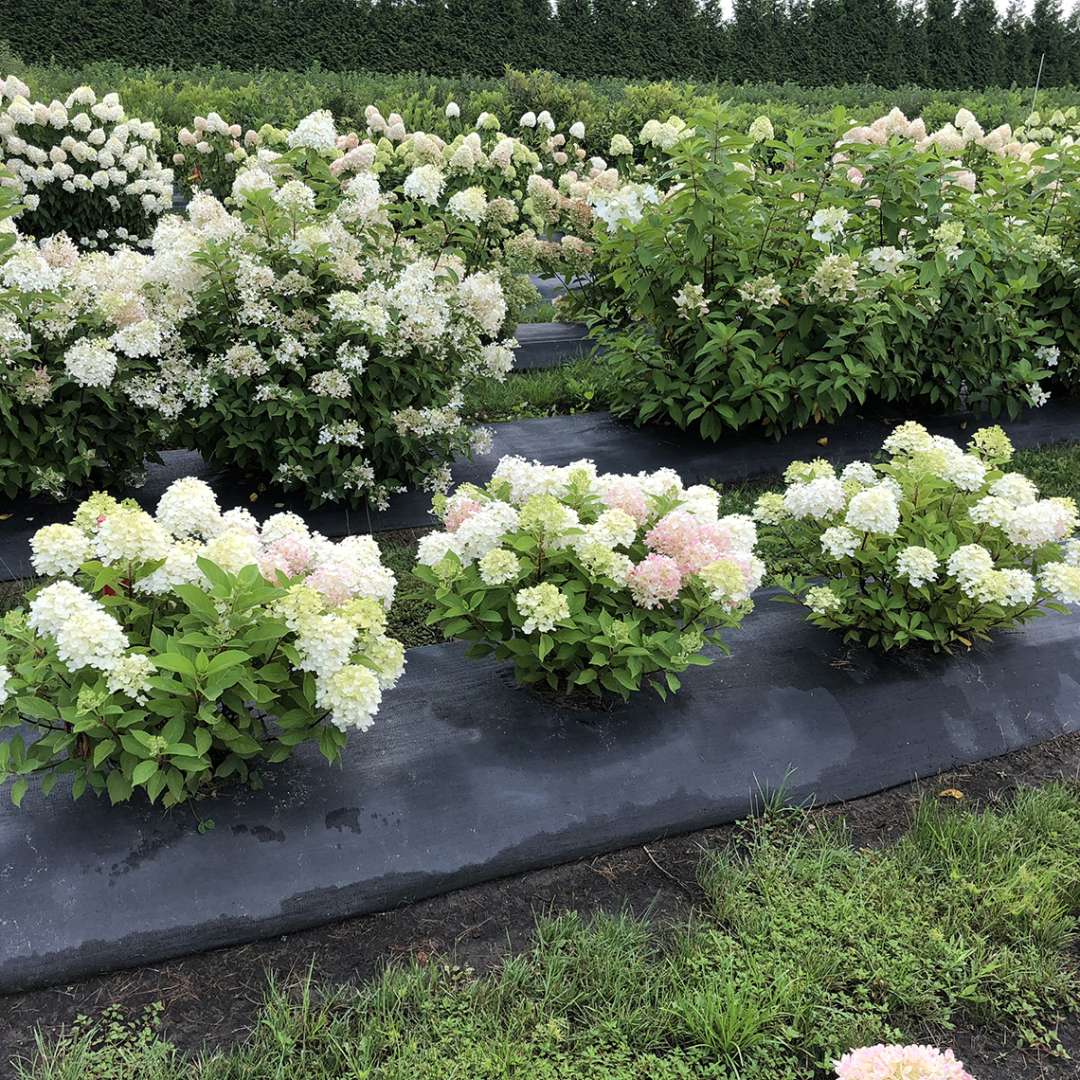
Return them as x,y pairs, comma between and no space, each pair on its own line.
900,1063
655,580
691,541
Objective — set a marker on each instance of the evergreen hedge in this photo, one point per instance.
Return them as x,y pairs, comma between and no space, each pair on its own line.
939,43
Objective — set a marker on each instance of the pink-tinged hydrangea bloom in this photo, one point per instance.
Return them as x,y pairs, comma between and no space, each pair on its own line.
900,1063
692,543
655,580
459,511
626,493
291,554
673,532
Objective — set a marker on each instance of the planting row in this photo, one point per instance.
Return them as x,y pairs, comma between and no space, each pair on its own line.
169,652
171,96
317,325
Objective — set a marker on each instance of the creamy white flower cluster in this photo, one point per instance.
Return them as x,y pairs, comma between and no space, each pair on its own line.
338,593
84,145
646,534
1020,549
664,134
624,206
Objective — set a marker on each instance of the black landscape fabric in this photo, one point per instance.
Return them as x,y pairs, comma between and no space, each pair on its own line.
465,777
615,446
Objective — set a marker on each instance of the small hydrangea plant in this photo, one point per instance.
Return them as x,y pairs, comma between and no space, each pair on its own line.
152,657
589,581
934,545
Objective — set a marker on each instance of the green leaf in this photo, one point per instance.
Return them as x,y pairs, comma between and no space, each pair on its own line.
18,790
198,603
229,658
173,661
173,731
143,771
102,751
36,707
118,786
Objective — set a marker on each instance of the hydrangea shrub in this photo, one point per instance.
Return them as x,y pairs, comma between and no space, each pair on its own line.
336,354
936,545
587,581
776,283
171,652
93,372
82,166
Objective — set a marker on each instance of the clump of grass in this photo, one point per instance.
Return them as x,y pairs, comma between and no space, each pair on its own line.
407,615
583,385
1055,469
803,947
13,592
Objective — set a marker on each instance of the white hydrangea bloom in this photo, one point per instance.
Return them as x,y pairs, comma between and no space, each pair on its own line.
352,694
59,549
819,498
498,567
129,535
839,542
468,205
541,606
821,600
969,562
425,183
90,362
316,132
1061,580
189,508
874,510
918,564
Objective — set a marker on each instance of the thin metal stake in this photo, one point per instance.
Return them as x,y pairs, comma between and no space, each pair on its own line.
1038,79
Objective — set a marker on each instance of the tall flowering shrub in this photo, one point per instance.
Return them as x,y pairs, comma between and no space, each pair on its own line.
169,653
936,545
588,581
93,371
82,166
778,282
336,352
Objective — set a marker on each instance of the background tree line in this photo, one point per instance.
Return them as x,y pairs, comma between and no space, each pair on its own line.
935,43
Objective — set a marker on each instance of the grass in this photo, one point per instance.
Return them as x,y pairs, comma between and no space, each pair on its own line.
802,946
583,385
1054,469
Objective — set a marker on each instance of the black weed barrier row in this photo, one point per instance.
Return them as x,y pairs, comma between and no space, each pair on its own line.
465,778
613,445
